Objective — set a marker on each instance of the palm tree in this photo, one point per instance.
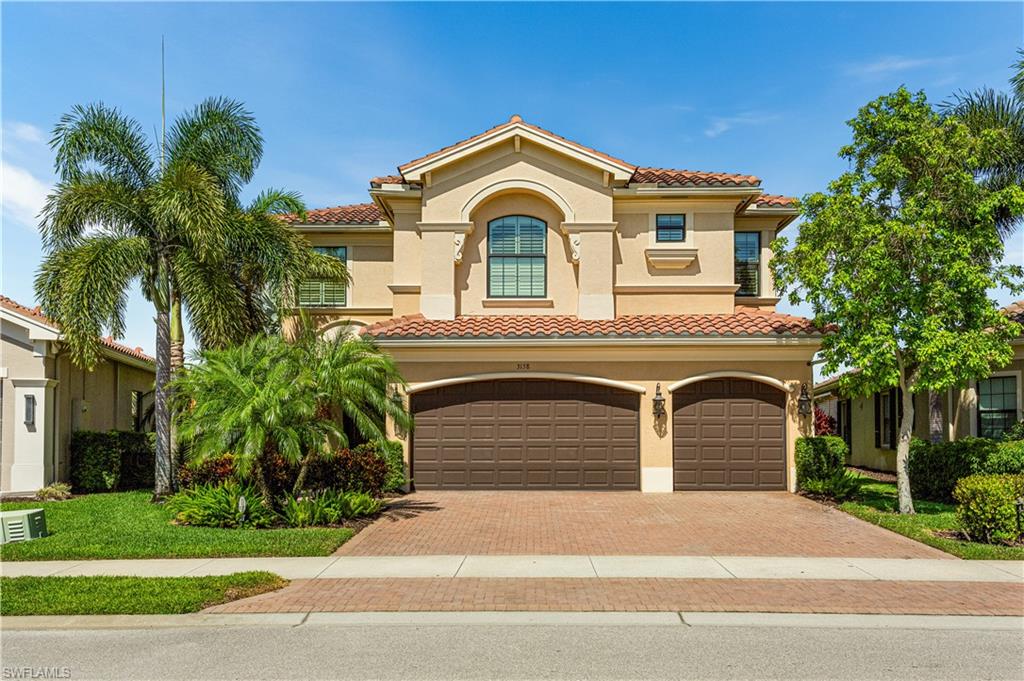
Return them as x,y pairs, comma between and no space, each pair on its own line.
255,401
989,109
120,213
270,397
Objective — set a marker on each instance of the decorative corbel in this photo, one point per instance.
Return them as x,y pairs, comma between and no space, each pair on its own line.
460,245
574,246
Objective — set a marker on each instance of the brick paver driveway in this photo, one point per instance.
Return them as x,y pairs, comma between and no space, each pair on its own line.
625,523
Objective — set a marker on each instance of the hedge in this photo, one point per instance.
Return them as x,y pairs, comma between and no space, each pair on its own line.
110,461
1007,459
986,509
819,457
934,469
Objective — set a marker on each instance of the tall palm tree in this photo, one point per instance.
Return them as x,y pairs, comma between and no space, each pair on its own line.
990,109
124,211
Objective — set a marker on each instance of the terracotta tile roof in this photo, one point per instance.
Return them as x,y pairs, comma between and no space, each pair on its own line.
1015,311
514,120
775,201
746,323
37,314
353,214
376,182
669,177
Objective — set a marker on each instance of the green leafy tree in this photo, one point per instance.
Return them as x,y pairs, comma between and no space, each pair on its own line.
898,256
270,397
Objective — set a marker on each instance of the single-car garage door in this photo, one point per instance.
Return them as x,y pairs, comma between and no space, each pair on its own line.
526,434
729,434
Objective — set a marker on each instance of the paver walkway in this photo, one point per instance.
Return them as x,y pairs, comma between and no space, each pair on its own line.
625,523
646,595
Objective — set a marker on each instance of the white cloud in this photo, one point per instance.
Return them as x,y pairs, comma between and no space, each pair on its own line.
884,66
22,194
721,124
25,132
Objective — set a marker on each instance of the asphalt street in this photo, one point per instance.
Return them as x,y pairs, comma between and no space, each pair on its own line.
503,651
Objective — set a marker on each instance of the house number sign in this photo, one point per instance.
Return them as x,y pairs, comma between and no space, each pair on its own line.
523,366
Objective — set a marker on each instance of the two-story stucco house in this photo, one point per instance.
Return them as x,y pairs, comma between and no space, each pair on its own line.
568,320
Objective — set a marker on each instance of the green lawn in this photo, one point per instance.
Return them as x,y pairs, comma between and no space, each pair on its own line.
128,525
877,503
128,595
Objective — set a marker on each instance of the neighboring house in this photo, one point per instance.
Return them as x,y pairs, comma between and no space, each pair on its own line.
44,397
568,320
985,408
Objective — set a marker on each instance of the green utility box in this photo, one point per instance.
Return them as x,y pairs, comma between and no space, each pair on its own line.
23,525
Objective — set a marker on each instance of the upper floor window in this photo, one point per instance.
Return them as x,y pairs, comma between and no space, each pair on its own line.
319,293
670,228
517,257
748,263
997,405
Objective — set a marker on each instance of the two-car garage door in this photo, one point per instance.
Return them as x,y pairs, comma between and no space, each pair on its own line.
728,434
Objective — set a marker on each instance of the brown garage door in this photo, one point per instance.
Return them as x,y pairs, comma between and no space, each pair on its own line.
526,434
729,434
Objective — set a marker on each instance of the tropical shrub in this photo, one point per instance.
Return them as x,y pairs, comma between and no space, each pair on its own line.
327,507
841,485
217,506
935,468
213,470
1006,459
823,423
58,491
819,457
350,470
113,460
986,509
392,453
138,455
359,504
1014,432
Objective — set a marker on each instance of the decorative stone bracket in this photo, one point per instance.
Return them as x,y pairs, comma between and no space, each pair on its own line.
573,231
670,258
460,245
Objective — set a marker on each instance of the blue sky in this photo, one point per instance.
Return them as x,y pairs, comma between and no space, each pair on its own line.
344,92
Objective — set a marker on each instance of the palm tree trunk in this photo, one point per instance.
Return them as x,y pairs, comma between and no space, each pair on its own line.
177,355
163,483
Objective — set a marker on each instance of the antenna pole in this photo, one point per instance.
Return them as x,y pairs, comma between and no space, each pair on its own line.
163,105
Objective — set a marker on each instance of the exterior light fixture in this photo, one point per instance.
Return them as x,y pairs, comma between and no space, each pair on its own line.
30,410
659,402
803,403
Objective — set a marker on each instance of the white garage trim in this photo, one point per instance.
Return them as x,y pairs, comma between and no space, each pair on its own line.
521,375
730,374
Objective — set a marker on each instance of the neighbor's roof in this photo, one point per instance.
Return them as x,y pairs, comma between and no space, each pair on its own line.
1015,311
36,314
738,324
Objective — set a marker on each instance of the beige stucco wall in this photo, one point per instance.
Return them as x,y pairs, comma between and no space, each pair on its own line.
642,367
81,400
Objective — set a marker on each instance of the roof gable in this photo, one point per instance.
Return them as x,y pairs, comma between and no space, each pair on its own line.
516,127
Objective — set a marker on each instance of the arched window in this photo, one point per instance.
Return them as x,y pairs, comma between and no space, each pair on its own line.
517,257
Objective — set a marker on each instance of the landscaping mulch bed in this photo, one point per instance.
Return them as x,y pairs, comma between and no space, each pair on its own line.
880,476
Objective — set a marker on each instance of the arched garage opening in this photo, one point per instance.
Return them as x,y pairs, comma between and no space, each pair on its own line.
728,433
525,434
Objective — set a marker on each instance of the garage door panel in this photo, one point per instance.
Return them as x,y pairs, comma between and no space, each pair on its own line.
729,434
525,434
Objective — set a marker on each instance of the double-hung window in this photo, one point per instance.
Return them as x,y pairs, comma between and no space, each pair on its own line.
997,405
670,228
517,257
320,293
748,263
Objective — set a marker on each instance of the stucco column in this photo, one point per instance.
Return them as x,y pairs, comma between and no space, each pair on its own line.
442,244
656,474
33,427
592,246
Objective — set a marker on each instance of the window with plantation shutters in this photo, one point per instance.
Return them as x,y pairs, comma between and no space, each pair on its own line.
517,257
748,263
320,293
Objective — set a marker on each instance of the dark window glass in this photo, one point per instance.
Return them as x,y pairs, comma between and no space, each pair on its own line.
997,405
748,263
318,293
887,420
517,257
671,228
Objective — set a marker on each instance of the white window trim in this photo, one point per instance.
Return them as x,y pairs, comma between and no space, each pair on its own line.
975,408
652,230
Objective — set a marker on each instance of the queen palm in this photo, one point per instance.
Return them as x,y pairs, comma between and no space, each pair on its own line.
122,214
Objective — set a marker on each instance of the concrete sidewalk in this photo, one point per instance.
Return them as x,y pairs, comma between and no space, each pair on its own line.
491,566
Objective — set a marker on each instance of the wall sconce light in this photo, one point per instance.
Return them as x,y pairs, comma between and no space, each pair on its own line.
803,403
30,410
659,402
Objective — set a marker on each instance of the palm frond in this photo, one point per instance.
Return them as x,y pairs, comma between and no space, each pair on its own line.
94,200
220,136
1017,79
213,303
84,289
277,202
102,136
189,206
